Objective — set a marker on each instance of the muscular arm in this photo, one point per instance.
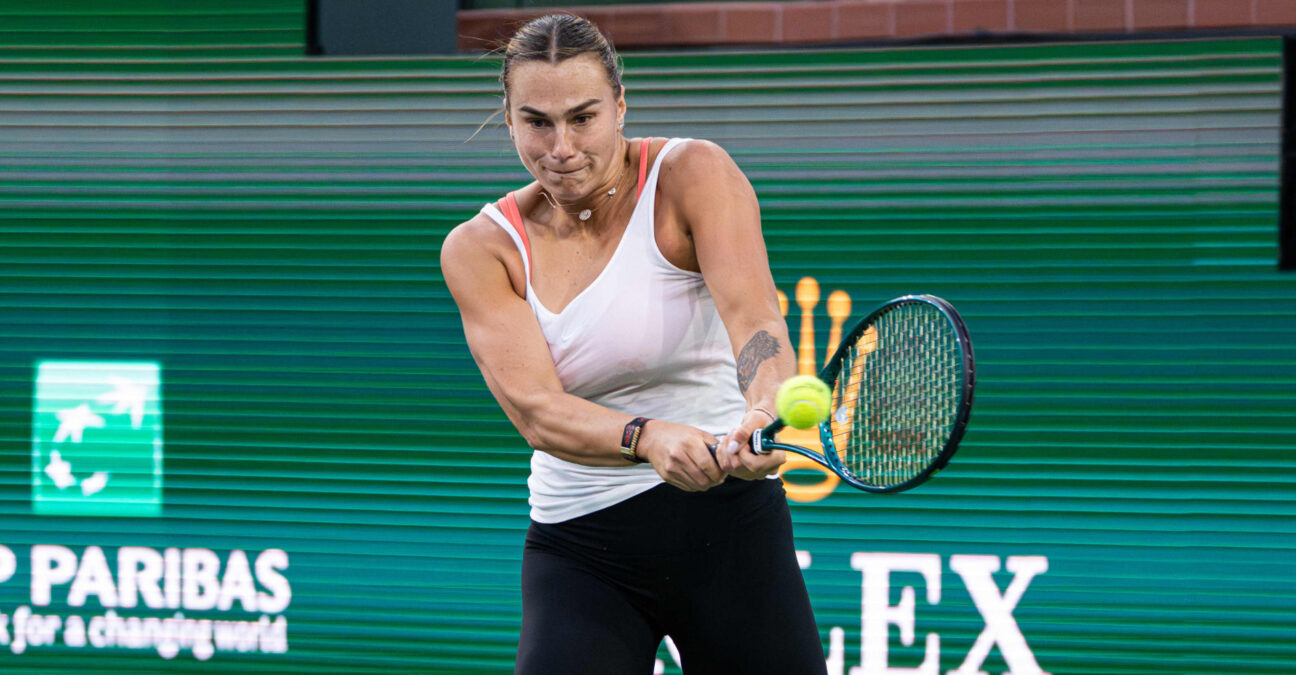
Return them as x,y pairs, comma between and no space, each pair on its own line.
509,348
716,204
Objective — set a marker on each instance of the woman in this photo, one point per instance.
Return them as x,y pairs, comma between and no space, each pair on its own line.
622,312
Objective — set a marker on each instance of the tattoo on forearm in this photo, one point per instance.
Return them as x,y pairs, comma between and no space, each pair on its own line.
760,347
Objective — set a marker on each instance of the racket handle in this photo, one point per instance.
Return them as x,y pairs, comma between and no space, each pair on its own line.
757,440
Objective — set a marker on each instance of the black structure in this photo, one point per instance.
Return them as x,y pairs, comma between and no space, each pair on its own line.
380,27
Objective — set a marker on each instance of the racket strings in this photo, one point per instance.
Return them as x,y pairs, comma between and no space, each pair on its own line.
896,399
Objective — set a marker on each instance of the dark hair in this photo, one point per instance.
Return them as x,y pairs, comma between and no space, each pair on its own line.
554,38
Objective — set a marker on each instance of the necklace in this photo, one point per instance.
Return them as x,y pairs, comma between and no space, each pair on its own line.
585,214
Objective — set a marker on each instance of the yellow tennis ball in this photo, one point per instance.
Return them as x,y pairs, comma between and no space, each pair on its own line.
803,401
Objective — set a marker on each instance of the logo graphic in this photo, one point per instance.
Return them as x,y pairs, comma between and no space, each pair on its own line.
839,309
97,439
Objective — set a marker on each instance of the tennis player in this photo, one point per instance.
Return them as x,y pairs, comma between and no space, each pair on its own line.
622,312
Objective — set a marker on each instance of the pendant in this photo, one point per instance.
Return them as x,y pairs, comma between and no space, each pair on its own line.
585,215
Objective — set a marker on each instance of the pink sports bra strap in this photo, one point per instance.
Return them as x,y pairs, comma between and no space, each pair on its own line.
511,211
643,166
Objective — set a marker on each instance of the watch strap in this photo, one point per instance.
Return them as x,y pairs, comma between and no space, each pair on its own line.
630,440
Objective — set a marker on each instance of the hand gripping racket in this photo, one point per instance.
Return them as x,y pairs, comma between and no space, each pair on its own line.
901,384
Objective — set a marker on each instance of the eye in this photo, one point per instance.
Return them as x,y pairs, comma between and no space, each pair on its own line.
537,123
583,119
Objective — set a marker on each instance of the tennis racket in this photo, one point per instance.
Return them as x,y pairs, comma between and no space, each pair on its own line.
901,384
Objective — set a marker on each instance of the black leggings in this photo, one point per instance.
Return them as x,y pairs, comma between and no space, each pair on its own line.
714,570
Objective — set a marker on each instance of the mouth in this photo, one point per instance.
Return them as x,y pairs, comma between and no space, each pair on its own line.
568,172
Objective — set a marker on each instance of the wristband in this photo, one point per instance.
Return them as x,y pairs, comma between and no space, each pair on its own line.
630,439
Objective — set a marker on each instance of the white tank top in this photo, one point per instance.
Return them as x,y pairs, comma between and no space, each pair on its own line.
645,339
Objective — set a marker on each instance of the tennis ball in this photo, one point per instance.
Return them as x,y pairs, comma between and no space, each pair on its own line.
803,401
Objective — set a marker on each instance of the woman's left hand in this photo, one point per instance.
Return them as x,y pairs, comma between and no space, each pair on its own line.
735,456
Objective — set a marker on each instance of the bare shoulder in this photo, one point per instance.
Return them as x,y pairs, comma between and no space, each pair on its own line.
696,158
702,170
473,238
475,246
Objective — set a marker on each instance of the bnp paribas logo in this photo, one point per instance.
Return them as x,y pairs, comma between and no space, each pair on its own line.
808,363
97,439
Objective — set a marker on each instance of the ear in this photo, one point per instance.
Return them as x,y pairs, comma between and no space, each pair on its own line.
621,104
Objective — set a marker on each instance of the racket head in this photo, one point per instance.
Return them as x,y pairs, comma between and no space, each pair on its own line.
902,386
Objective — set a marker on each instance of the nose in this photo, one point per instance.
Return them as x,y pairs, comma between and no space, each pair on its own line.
563,149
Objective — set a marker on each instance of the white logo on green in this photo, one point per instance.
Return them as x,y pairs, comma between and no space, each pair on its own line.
97,439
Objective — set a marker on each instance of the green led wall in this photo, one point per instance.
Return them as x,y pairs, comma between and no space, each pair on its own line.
339,493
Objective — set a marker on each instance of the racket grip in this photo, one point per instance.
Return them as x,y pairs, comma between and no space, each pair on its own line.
713,447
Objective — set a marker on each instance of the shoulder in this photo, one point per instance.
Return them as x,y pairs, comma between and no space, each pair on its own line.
701,170
697,164
476,246
471,238
696,156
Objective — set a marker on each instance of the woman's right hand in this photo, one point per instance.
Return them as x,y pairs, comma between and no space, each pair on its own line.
679,454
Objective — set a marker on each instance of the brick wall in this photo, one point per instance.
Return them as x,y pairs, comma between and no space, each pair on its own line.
828,21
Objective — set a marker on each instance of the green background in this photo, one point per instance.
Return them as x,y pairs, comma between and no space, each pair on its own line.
266,227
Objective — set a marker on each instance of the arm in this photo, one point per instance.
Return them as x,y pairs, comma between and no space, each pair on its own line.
509,348
718,206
